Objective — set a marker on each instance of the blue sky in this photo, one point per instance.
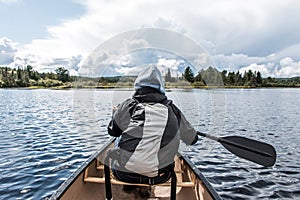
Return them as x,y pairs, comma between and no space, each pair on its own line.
26,20
239,35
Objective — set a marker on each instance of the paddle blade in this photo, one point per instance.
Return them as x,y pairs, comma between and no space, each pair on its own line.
255,151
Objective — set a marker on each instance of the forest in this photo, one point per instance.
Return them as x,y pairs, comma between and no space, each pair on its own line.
27,77
210,77
249,79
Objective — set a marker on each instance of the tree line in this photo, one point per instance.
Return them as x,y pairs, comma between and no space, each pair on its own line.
27,77
213,77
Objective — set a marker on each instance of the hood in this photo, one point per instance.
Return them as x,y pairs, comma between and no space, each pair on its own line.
147,94
150,77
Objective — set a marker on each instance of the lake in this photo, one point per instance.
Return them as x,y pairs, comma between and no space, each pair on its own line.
47,134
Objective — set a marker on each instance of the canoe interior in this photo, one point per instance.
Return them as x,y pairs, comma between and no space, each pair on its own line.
88,183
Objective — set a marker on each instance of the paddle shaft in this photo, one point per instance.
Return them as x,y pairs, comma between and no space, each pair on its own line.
208,136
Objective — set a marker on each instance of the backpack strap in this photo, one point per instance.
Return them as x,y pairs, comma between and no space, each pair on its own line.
108,193
173,185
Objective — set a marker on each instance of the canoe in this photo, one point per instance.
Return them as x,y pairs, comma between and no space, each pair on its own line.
88,182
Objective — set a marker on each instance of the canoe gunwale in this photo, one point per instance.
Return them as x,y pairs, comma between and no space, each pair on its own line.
64,187
201,177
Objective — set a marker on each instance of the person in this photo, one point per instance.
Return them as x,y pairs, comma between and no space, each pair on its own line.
149,127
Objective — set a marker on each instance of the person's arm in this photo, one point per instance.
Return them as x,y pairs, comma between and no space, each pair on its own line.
113,128
187,132
120,119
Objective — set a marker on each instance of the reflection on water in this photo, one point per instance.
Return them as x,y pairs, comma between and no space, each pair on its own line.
47,134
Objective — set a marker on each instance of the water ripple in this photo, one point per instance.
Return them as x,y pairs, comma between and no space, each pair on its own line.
43,140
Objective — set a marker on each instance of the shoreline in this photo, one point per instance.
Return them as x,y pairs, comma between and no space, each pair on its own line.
68,87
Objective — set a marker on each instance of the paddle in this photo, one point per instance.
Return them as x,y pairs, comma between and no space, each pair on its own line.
255,151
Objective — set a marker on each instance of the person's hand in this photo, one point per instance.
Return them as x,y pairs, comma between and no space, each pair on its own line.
114,109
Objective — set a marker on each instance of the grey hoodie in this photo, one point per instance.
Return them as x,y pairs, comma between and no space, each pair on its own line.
150,77
150,127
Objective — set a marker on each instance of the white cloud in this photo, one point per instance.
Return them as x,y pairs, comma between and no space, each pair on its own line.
172,64
264,69
7,51
236,34
234,62
285,68
133,71
289,67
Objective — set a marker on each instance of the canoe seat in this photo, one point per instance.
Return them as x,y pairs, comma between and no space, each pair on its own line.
117,182
114,181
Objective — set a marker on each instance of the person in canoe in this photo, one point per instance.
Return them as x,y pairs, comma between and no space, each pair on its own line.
149,128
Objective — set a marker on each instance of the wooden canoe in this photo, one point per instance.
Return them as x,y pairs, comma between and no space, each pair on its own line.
88,182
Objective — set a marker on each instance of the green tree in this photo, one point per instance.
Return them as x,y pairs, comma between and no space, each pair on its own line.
5,77
231,78
62,74
29,71
198,77
188,75
249,78
198,80
259,78
224,77
238,79
212,77
19,74
252,81
168,76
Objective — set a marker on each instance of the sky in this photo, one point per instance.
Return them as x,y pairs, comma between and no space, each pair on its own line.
261,35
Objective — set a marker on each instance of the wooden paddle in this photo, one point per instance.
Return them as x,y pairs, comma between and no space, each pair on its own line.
255,151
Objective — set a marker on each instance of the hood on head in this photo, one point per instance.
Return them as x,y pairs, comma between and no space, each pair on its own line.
150,77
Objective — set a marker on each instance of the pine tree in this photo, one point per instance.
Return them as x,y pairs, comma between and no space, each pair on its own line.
188,75
168,77
259,79
63,74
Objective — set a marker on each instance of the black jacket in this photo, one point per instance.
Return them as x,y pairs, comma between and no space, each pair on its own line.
150,127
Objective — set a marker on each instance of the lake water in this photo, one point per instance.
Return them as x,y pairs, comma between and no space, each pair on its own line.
47,134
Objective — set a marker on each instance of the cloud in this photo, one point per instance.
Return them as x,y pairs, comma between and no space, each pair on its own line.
285,68
145,46
129,71
237,35
170,24
249,27
264,69
172,64
234,62
290,51
288,67
7,51
43,64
